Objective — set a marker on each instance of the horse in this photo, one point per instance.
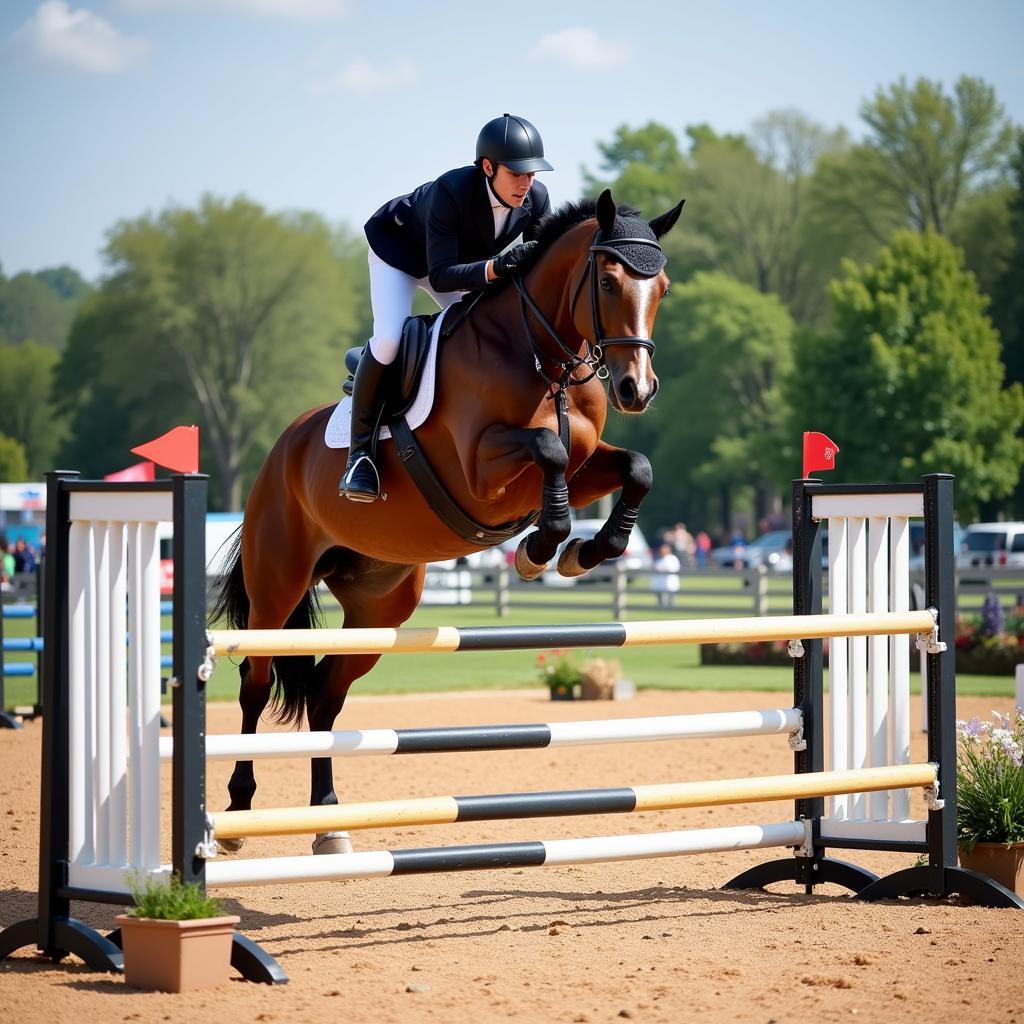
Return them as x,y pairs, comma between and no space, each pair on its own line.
525,364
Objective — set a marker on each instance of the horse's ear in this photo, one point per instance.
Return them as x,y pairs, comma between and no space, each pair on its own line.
663,225
606,211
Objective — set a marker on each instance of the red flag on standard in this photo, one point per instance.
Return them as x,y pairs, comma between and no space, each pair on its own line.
178,449
819,453
140,471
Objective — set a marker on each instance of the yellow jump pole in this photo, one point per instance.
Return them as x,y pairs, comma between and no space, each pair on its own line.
271,642
672,796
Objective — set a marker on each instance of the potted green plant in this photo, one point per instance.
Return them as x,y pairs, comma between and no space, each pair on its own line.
559,674
990,798
177,938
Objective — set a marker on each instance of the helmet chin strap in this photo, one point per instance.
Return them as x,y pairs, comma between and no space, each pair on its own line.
494,192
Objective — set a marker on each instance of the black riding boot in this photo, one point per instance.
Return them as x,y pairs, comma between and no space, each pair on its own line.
361,481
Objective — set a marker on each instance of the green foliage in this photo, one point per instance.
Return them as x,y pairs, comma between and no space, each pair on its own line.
558,672
40,307
750,217
227,316
909,381
924,152
26,410
643,166
13,464
1008,292
172,900
981,227
67,282
990,781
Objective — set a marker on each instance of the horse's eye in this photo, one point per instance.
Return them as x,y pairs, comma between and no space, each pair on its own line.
606,284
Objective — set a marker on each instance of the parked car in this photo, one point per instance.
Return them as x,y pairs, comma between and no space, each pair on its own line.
992,545
773,550
916,562
637,557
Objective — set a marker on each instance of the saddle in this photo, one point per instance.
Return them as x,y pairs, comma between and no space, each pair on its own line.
402,378
401,383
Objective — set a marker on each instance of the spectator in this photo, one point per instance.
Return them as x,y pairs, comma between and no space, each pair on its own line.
682,541
665,581
739,543
703,542
7,566
24,557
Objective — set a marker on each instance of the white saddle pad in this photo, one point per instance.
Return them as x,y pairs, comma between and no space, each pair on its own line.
339,425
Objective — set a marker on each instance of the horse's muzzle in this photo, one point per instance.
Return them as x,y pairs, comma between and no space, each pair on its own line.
631,395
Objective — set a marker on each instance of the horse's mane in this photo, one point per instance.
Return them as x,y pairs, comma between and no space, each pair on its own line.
555,224
568,215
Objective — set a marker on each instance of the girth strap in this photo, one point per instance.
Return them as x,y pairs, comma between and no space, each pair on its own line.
444,505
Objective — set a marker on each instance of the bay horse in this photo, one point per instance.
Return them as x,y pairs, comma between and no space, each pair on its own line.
493,439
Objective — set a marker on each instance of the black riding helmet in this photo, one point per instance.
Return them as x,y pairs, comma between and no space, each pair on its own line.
514,142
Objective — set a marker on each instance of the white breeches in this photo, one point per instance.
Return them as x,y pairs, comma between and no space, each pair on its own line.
391,295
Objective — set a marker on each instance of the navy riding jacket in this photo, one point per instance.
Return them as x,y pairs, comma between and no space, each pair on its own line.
444,229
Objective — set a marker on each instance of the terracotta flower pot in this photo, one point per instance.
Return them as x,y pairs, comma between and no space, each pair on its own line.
176,956
997,860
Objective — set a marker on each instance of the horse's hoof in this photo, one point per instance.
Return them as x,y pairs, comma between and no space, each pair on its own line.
332,842
569,562
527,570
230,845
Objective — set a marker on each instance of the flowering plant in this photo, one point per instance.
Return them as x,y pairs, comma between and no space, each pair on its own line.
990,781
558,672
992,630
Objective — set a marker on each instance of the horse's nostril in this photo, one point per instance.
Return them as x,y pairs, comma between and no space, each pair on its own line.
627,391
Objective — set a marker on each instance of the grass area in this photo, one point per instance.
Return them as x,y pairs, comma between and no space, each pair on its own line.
667,668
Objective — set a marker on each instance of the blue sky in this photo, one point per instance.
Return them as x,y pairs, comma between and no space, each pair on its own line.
113,108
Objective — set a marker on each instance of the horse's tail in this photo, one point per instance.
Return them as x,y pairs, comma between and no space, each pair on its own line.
290,676
230,598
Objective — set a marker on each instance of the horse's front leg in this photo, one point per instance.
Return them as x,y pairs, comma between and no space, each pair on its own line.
606,471
253,695
502,454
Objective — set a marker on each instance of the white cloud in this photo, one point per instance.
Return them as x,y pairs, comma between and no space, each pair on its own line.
58,34
581,48
298,10
362,77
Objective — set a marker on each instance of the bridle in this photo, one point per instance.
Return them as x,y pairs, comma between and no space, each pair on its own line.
594,350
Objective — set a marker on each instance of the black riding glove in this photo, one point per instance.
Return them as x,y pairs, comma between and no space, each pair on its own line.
515,261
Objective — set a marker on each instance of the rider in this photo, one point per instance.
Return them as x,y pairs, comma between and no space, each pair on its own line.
445,238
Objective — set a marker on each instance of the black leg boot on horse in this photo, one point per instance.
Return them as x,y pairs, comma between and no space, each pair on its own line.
361,480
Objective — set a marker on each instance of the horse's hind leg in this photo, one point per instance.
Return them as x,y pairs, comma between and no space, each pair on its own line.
607,469
379,601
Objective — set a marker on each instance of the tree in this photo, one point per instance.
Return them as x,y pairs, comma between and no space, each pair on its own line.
910,380
13,464
26,408
39,306
1008,290
750,217
243,313
924,152
981,227
753,207
715,425
643,166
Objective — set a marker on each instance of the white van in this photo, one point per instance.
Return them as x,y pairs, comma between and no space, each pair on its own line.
992,545
220,530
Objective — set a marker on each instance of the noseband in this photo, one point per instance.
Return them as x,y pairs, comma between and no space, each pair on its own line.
594,357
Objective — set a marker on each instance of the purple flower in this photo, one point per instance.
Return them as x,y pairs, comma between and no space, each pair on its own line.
992,618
